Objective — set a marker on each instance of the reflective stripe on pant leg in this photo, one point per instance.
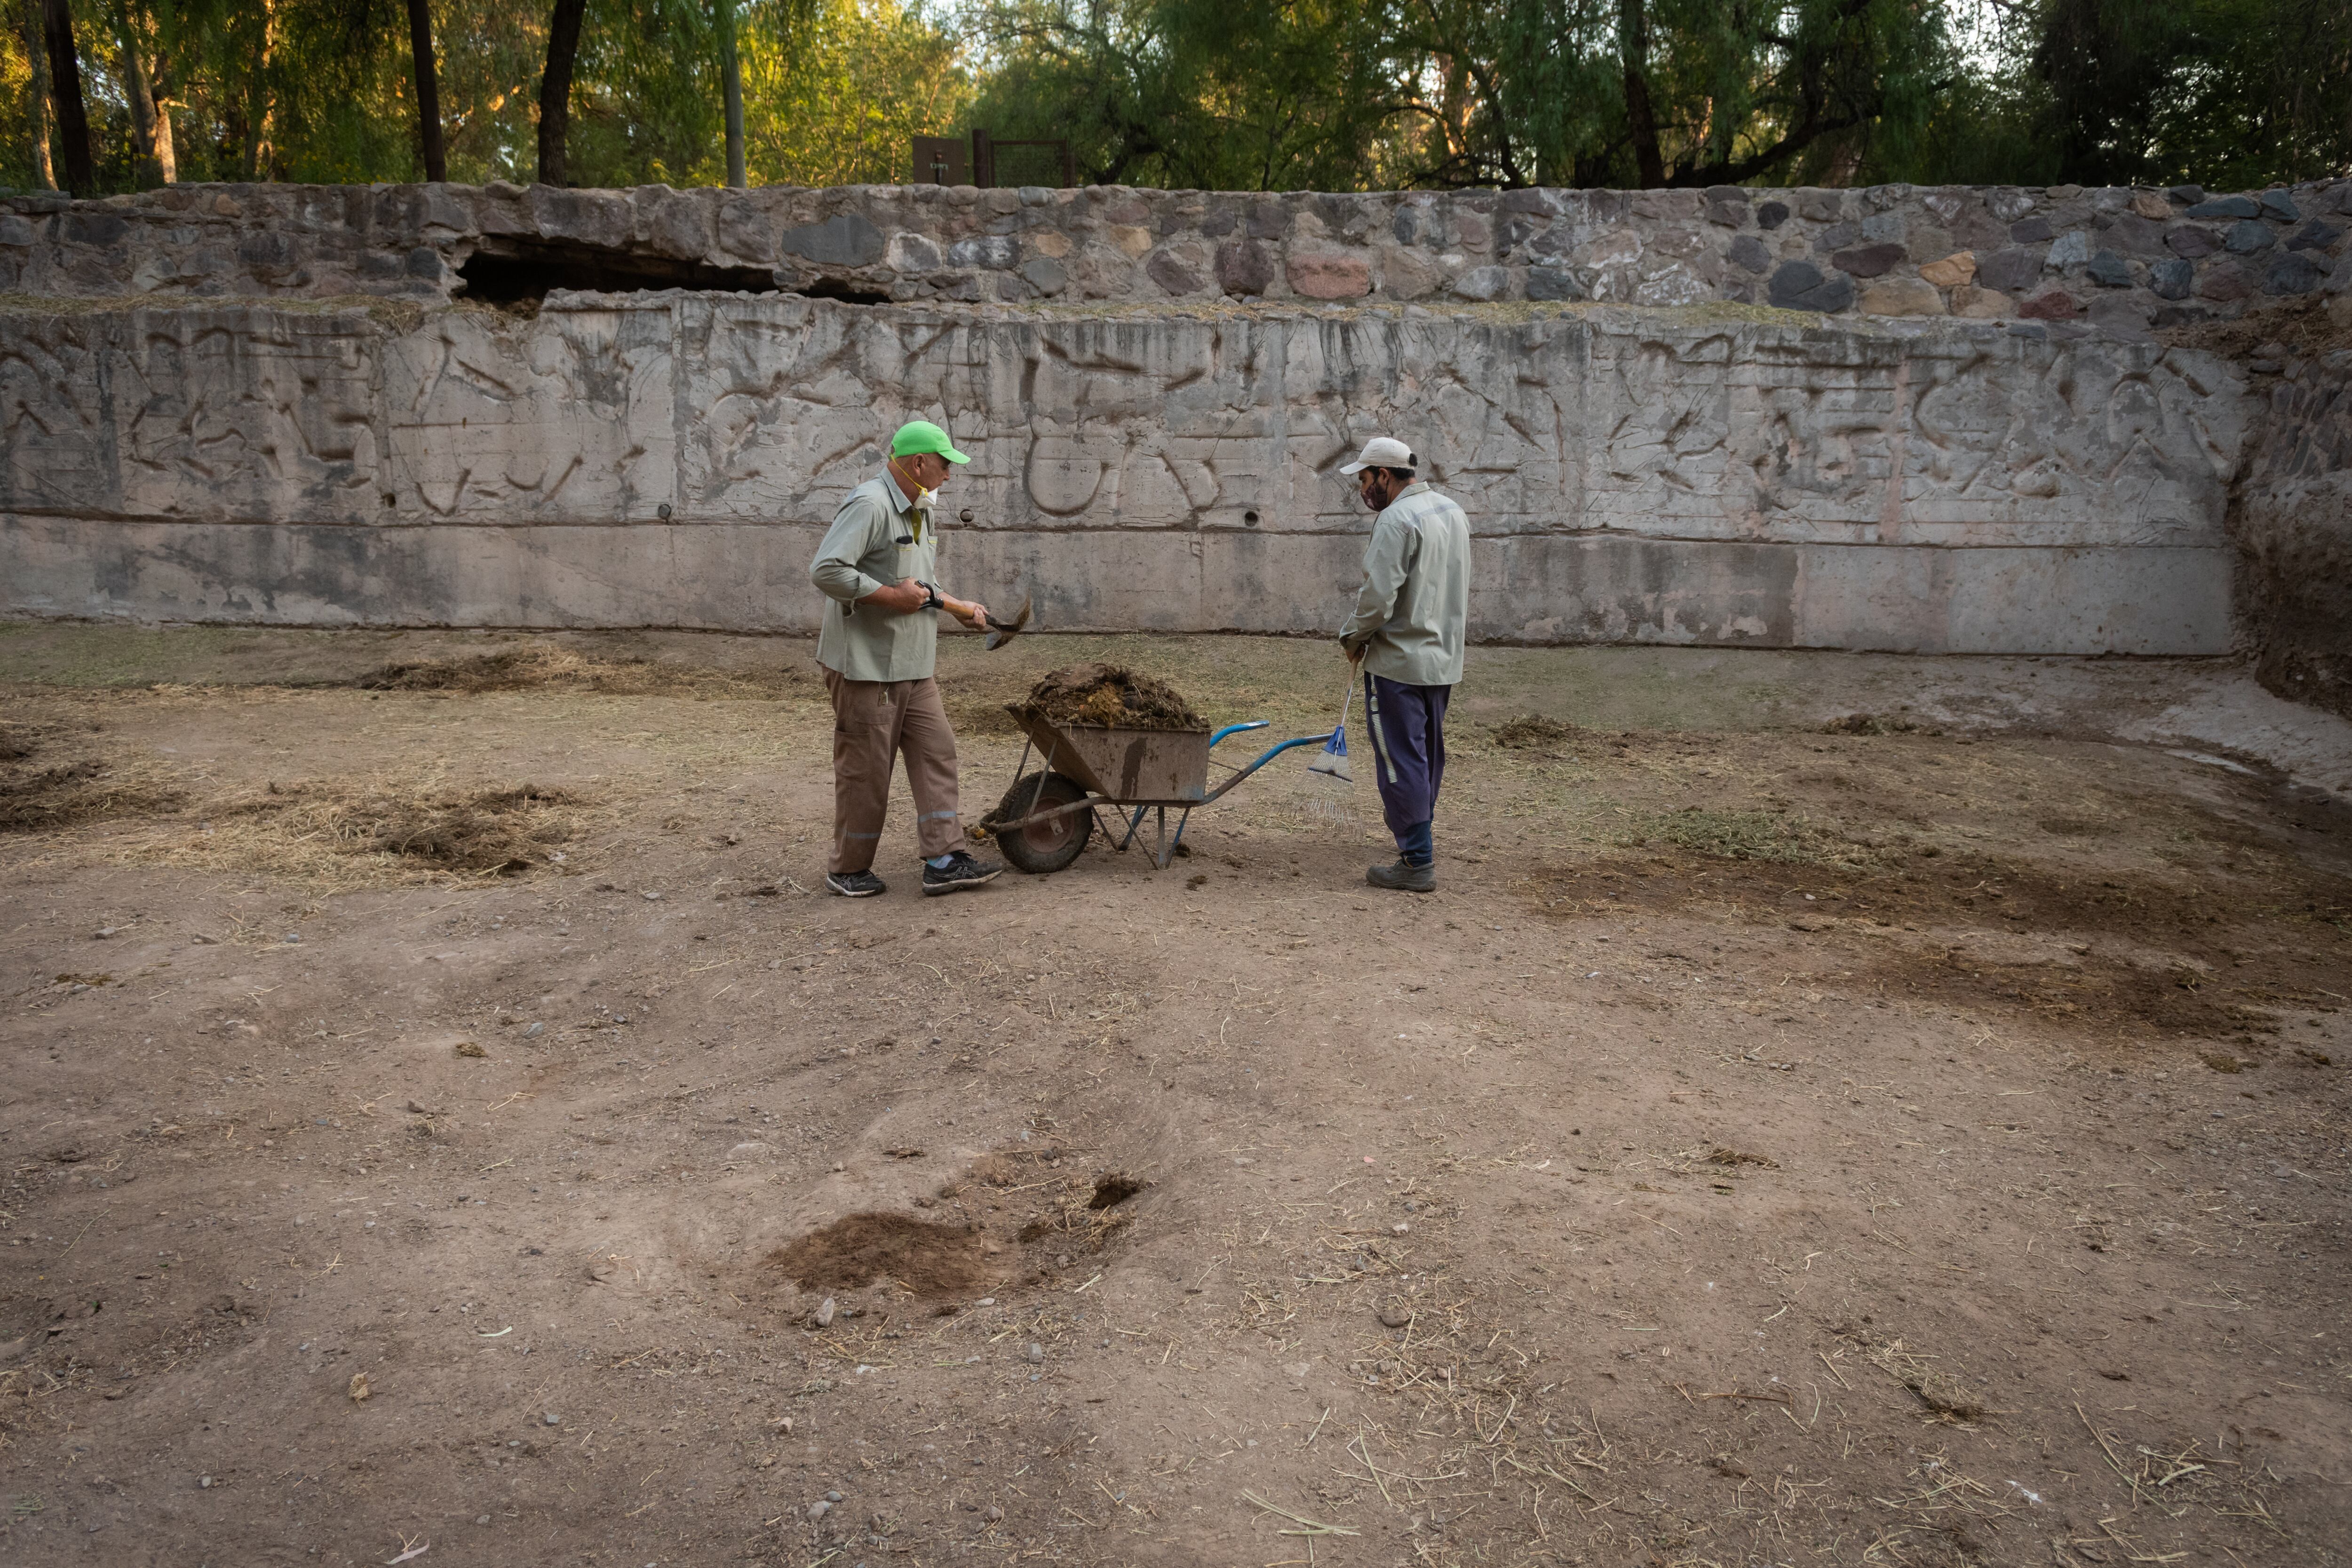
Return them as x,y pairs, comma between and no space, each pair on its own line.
1381,766
928,741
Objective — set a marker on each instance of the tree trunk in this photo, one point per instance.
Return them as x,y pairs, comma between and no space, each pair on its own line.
1640,119
555,88
258,153
65,91
37,92
428,90
730,69
137,93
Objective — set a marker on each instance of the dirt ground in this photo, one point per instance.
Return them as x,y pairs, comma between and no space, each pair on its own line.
1835,1109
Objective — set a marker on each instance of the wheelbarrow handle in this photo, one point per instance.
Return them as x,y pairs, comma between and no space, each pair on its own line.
1237,729
1267,757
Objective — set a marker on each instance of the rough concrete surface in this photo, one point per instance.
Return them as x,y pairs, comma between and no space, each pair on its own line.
2292,522
1707,474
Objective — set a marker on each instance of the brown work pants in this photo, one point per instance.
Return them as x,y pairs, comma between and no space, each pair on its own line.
873,723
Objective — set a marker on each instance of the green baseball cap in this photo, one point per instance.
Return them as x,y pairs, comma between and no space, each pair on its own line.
922,435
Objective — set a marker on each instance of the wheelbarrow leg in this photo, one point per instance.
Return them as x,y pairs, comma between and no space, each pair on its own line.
1172,845
1134,826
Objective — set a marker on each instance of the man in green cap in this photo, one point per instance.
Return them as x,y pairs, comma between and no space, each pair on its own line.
878,647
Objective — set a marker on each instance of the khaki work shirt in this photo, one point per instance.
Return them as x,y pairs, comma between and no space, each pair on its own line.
1412,614
877,538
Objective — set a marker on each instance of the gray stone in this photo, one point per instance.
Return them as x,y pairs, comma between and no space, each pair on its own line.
1869,260
2186,195
2135,236
1036,196
1036,1353
1415,224
2012,270
2030,231
1801,286
2070,249
1045,275
1881,227
2313,236
992,252
847,239
1245,266
590,217
910,252
1553,283
1836,237
1771,216
746,231
1747,252
1483,283
2172,279
2227,206
1268,220
1172,276
2109,270
97,228
1820,206
2009,205
820,1508
2292,273
678,224
1727,205
2246,237
824,1313
2188,240
2280,206
14,230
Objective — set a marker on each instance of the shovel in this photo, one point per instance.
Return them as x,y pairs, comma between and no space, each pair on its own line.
1003,632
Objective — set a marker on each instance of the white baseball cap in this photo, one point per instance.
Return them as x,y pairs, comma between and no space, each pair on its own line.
1382,452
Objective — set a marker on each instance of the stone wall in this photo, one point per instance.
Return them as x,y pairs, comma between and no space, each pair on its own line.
1699,474
2291,520
2123,261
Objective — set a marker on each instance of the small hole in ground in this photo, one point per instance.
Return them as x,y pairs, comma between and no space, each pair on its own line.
1114,1187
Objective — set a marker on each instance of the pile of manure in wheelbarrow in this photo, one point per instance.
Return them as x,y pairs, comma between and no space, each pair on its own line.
1110,695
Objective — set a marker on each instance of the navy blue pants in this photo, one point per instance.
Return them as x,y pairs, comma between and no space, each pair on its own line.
1407,724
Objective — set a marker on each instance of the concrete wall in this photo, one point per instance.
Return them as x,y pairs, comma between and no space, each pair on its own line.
2292,521
2122,261
1706,474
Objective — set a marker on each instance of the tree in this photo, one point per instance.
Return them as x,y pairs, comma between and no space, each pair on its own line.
72,142
36,93
555,88
428,90
731,71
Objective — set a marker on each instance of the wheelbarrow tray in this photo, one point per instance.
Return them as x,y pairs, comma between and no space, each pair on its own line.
1131,767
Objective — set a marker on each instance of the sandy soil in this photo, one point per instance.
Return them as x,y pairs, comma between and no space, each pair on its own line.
1835,1109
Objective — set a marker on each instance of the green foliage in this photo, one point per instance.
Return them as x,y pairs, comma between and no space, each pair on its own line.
837,98
1285,94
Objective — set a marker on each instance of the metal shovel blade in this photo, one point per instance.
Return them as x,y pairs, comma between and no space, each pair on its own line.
1002,633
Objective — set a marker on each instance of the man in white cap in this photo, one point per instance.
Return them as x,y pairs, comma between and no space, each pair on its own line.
1411,617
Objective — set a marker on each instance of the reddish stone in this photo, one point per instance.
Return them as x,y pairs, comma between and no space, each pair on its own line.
2224,283
1330,277
2057,305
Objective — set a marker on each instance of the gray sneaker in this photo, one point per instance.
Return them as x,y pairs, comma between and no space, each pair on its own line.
1403,878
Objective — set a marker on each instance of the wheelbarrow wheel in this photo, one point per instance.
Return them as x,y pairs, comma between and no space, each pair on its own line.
1048,845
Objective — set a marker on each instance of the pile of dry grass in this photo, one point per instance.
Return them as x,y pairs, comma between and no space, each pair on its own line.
489,832
1534,732
69,790
539,666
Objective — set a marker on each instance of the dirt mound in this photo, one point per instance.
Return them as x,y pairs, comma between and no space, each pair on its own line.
41,799
928,1260
495,831
1112,695
1533,732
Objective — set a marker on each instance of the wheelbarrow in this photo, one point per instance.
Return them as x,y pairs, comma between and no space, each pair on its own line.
1046,818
